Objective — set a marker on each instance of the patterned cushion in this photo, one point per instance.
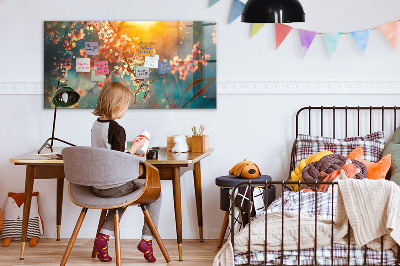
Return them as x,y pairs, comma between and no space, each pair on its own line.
372,144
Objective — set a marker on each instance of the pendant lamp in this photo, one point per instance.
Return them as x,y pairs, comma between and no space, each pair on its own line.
63,97
273,11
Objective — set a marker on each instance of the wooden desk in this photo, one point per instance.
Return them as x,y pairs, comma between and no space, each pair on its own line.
171,167
40,167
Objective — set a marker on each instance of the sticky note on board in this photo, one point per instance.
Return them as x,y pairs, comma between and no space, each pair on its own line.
102,68
145,49
164,67
151,61
99,78
91,48
142,72
82,64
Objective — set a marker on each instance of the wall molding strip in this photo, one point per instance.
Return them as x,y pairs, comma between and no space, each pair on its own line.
260,87
21,88
310,87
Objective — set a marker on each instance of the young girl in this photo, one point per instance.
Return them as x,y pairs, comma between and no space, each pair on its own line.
112,104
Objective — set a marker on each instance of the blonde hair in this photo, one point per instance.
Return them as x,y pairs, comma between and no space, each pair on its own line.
114,96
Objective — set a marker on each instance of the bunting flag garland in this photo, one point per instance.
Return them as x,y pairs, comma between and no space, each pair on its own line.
389,30
237,8
306,39
281,31
361,37
332,41
213,2
256,27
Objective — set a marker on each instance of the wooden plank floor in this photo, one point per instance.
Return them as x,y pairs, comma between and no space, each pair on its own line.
50,252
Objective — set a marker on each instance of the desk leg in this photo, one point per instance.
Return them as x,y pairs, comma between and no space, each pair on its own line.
60,190
199,204
176,182
27,206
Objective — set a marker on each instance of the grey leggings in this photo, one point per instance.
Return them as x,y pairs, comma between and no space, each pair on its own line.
154,208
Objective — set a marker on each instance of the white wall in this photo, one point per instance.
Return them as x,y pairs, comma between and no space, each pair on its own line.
257,127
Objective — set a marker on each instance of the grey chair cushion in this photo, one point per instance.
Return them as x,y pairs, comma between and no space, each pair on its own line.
99,167
83,196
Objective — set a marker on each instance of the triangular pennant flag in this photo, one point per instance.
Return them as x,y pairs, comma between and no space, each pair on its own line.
255,28
213,2
332,41
390,32
361,37
237,9
306,39
281,31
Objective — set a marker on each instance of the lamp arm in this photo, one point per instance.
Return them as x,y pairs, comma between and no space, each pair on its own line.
54,126
51,140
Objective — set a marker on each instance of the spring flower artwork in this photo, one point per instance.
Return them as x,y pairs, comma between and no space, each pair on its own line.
167,64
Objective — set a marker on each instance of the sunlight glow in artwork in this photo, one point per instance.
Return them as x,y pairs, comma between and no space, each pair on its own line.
189,47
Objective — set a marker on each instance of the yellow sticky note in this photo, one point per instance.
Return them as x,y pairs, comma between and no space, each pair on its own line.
146,49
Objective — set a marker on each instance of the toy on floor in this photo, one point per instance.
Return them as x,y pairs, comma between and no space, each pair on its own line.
13,215
1,219
245,169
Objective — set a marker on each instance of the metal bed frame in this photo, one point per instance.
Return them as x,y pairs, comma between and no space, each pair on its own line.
284,184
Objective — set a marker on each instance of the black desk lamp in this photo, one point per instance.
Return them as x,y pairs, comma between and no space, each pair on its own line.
63,97
273,11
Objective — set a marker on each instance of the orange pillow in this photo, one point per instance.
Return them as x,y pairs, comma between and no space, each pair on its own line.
375,170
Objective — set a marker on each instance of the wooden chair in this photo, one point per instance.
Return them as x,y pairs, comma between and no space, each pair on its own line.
85,167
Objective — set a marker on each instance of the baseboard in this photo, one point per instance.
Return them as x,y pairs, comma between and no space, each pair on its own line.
260,87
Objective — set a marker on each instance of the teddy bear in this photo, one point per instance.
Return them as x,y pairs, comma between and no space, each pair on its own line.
180,144
245,169
13,215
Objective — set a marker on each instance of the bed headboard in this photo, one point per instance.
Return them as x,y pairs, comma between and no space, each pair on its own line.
345,117
344,121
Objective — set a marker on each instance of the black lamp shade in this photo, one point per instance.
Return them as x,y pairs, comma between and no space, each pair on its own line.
273,11
65,96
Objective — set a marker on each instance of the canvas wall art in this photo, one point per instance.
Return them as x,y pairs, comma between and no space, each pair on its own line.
167,64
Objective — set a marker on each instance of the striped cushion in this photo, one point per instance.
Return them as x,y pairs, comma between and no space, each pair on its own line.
372,145
13,228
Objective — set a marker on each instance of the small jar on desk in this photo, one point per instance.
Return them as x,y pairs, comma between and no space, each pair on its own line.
228,182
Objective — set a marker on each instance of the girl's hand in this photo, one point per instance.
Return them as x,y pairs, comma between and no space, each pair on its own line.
137,144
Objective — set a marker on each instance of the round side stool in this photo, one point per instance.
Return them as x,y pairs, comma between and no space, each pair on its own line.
228,182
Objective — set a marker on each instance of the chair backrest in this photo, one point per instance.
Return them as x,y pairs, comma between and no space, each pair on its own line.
92,166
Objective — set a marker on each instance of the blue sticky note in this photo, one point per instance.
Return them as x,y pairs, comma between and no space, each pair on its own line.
164,67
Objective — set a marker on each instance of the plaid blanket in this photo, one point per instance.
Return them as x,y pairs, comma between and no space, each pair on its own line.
323,205
306,201
324,257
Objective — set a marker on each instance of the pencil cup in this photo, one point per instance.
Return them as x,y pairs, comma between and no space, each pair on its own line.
200,143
